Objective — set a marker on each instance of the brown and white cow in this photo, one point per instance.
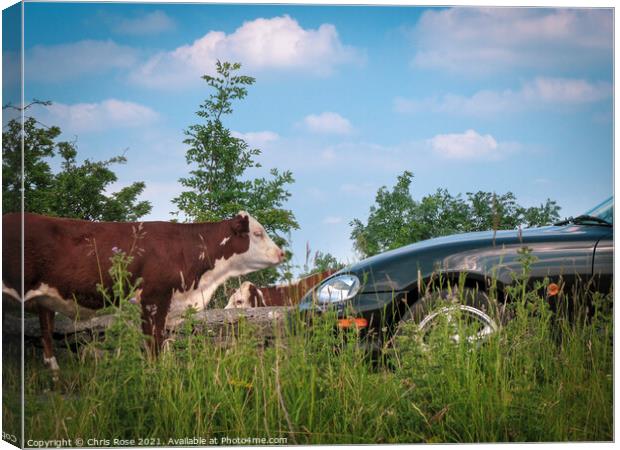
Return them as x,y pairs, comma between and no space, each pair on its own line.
249,296
181,265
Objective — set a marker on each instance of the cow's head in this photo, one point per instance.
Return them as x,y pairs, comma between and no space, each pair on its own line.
247,296
262,251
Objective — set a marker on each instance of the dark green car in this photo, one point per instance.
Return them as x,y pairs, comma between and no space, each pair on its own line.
378,292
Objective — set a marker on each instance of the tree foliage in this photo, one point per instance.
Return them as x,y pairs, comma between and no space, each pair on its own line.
76,190
218,186
396,219
325,261
39,147
90,180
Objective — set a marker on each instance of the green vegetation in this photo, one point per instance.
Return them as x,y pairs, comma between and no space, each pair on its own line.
77,190
396,219
319,262
540,378
325,261
218,186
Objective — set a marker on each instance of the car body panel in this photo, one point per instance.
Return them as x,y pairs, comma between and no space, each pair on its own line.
602,266
566,251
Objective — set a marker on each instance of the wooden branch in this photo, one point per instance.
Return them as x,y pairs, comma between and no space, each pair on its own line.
212,322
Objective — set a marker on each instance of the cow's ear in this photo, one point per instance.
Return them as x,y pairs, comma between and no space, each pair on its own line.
241,224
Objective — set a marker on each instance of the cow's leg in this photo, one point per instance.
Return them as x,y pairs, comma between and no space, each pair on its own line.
154,322
46,322
160,329
148,328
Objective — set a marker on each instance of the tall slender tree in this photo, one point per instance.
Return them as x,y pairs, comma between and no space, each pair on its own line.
218,185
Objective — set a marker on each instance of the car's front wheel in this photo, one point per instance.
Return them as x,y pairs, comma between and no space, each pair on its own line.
451,315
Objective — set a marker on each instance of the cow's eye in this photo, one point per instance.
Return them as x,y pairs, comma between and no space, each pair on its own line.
258,233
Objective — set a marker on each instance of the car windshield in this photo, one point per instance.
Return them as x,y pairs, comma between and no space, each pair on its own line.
604,211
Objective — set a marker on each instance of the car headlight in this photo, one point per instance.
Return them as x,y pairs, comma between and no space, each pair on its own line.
338,289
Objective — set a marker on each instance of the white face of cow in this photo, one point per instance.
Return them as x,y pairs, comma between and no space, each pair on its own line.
238,300
241,298
263,252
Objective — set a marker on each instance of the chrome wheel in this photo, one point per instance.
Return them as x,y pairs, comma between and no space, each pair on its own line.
448,316
462,322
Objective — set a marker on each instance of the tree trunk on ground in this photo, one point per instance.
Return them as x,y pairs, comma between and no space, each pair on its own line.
218,323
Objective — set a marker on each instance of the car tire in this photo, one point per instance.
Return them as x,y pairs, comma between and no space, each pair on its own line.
486,317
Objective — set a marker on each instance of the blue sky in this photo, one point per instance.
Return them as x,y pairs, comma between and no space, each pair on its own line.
499,99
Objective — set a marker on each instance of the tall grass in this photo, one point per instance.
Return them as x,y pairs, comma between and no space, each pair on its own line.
541,378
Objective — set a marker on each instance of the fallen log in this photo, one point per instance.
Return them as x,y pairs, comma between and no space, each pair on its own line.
211,322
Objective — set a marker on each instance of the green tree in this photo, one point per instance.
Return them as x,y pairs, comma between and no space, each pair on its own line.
396,219
79,190
489,211
544,214
218,186
39,147
325,261
76,190
390,221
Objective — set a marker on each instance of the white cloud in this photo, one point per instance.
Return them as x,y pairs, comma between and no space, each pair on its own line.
62,62
151,23
257,139
465,146
538,93
332,220
359,189
327,123
88,117
276,43
485,40
310,155
562,90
